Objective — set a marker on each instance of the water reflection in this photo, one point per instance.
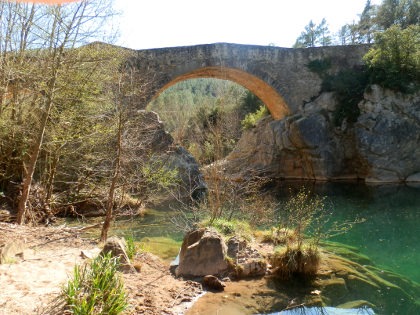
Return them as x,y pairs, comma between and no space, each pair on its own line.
325,311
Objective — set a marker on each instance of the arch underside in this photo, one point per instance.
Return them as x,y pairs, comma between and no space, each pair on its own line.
274,102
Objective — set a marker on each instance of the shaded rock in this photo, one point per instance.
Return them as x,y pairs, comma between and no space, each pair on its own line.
117,247
213,283
235,245
202,253
415,178
12,251
252,268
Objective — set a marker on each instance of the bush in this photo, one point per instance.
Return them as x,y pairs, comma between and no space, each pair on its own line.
96,288
394,60
349,87
250,120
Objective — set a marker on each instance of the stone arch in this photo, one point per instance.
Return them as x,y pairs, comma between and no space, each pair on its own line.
274,102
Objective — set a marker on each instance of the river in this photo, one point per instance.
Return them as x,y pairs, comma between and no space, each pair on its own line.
389,236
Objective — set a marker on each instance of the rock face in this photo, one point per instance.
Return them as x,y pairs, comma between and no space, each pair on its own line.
388,135
382,146
203,252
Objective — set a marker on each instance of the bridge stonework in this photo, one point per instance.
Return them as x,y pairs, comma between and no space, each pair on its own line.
278,76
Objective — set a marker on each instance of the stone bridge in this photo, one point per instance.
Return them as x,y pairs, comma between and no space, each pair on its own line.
278,76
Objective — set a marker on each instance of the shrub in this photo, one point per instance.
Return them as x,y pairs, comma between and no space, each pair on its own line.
250,120
300,212
349,87
96,288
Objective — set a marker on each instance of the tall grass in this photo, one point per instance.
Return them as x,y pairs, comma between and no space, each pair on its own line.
95,288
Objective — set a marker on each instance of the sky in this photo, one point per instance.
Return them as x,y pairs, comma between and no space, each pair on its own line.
147,24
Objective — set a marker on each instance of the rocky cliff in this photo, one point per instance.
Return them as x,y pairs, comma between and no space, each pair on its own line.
382,146
148,137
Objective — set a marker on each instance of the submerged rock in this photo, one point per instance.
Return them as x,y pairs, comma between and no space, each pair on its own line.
203,252
213,283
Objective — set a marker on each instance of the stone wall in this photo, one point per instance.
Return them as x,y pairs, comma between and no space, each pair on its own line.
278,76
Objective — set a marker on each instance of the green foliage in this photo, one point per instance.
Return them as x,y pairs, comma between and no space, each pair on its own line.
301,211
156,174
204,115
250,103
349,87
394,61
95,288
131,247
226,227
320,66
314,35
250,120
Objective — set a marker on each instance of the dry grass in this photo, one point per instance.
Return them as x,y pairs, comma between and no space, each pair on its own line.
291,261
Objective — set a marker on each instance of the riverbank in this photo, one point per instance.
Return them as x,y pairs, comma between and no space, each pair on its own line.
32,280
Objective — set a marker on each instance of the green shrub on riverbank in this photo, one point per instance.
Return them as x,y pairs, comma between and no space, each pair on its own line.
238,228
96,288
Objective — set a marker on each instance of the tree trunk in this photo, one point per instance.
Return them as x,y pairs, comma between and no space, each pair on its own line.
115,177
32,163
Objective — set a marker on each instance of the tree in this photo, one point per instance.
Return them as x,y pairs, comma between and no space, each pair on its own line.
344,35
394,61
398,12
314,35
308,37
39,63
367,23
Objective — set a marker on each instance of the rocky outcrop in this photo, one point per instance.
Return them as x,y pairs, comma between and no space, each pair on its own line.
382,146
147,137
388,135
203,252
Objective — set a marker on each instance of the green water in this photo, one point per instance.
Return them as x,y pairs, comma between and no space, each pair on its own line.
391,234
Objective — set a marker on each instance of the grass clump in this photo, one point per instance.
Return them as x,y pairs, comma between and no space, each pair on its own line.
132,248
295,261
96,288
239,228
278,236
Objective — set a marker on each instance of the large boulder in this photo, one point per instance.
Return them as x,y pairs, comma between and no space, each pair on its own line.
203,252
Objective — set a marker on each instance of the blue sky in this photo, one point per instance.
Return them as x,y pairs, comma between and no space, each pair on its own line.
166,23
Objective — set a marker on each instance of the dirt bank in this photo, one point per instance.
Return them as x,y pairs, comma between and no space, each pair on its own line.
31,284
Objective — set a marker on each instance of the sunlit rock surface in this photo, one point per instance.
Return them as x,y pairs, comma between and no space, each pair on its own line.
382,146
